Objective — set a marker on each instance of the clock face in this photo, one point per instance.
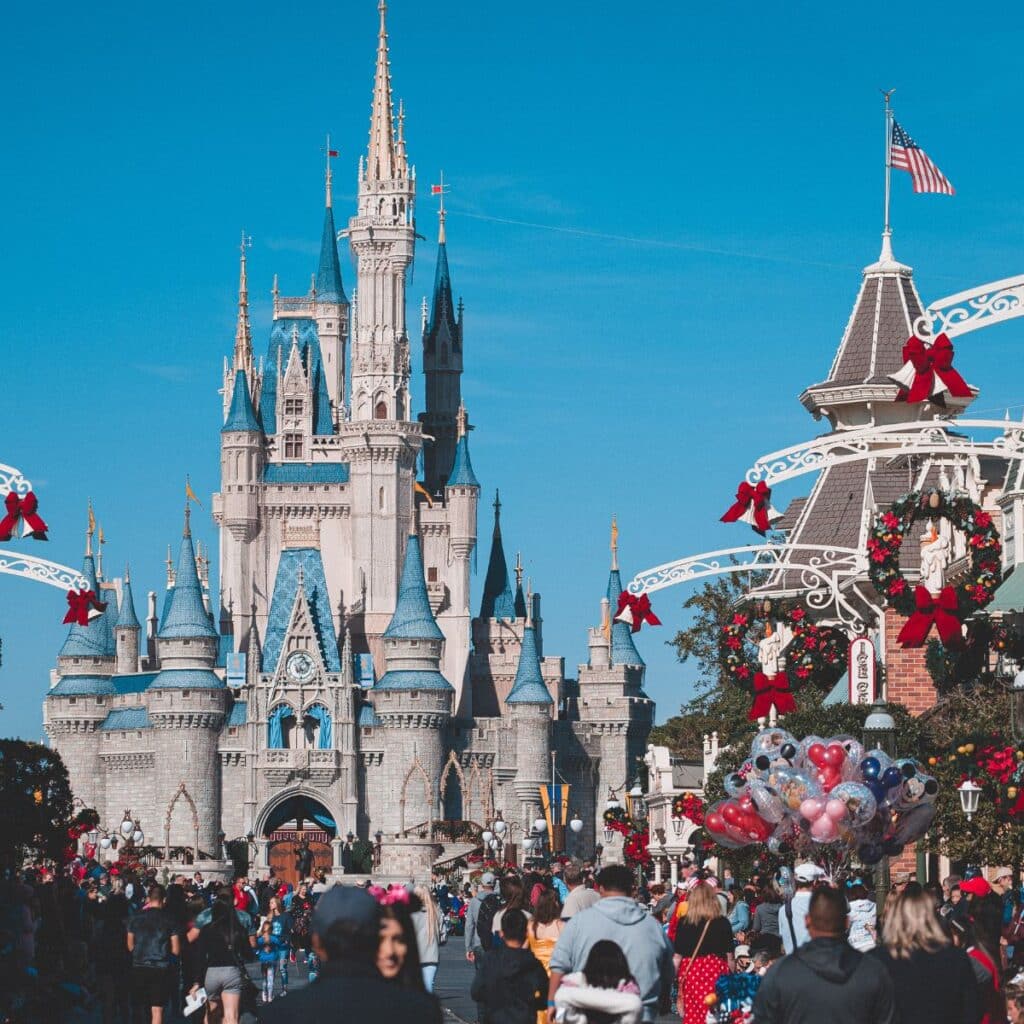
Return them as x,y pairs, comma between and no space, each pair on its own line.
300,667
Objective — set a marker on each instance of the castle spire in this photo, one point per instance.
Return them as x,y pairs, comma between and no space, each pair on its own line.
327,285
243,329
185,614
90,530
520,601
126,617
381,158
498,602
615,544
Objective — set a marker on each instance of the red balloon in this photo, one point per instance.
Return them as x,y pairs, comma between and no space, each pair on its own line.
816,754
714,822
835,755
733,815
746,804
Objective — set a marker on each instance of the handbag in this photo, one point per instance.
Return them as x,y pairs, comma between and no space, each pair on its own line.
683,976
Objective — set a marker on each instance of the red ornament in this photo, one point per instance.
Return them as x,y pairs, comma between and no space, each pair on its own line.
941,612
80,604
768,691
23,509
635,610
753,506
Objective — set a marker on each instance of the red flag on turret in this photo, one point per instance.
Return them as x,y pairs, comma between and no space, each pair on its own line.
332,152
436,190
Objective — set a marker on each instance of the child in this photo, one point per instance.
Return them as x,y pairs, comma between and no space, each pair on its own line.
510,984
267,952
604,990
1015,1002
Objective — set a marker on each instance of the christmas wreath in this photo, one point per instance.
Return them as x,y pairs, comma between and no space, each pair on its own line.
617,819
954,604
689,806
815,656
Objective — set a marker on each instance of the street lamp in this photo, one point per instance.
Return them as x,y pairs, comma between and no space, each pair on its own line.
637,804
500,826
677,826
576,824
970,794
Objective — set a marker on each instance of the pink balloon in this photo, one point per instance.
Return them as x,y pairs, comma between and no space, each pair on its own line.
824,830
812,807
836,810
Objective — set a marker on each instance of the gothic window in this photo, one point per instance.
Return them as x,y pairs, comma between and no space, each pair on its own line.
431,573
293,446
293,407
380,411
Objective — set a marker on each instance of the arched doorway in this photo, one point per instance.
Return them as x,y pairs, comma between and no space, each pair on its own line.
299,828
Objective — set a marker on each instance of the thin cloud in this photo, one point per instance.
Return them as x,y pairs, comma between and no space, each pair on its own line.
167,371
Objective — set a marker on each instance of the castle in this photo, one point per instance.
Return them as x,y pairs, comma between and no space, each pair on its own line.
343,683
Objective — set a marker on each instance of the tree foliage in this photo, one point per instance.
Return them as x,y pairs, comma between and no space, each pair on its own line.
35,795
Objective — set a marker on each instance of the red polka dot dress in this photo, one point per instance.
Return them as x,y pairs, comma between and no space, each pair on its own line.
704,969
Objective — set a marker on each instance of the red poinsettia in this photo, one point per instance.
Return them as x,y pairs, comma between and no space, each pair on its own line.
982,520
891,521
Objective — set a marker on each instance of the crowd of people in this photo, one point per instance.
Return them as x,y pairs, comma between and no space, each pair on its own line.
565,944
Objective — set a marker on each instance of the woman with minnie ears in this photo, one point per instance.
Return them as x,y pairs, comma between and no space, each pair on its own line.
398,957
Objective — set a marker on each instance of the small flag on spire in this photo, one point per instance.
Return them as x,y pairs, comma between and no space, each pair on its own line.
332,152
436,190
907,155
190,494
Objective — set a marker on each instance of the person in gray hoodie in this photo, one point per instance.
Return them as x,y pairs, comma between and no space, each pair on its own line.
826,979
619,918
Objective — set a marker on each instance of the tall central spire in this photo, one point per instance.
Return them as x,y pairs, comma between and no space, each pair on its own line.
381,163
243,329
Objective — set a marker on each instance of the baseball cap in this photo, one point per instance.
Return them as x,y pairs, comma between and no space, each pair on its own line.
741,951
997,873
976,887
807,872
487,878
901,878
345,903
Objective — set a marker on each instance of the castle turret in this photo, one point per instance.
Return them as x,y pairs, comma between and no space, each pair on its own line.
529,704
127,630
497,602
187,703
442,368
331,309
462,496
413,701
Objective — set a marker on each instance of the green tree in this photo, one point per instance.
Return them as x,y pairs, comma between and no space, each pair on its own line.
35,795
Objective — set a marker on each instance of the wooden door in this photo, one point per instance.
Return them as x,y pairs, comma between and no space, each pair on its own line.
284,846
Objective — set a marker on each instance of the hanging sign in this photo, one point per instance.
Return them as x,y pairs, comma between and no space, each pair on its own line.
862,670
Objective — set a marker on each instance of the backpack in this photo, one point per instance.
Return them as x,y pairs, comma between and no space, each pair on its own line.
489,906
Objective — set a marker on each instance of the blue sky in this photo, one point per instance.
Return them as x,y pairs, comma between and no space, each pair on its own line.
715,173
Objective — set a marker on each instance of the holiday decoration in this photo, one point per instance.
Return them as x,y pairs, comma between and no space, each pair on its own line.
795,795
689,806
994,762
635,610
83,606
753,506
733,999
25,510
933,602
927,374
814,655
635,837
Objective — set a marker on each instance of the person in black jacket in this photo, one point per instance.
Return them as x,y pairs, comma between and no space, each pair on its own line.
826,979
510,984
345,933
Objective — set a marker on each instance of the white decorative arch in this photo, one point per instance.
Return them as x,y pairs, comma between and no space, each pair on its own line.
13,480
452,764
974,308
415,769
40,570
182,791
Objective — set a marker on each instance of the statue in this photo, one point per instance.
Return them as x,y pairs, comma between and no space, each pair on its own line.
771,648
935,556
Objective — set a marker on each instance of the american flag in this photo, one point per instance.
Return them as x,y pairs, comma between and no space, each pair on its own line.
907,155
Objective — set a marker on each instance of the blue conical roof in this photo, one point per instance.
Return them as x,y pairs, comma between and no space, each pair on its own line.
185,614
413,619
241,414
462,474
520,602
127,616
529,687
88,641
442,309
498,602
624,651
328,275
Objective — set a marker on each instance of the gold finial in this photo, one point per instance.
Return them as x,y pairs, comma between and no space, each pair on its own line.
327,176
529,602
460,421
127,573
519,569
90,528
615,543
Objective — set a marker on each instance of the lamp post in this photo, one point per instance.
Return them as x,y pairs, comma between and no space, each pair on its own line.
880,734
576,827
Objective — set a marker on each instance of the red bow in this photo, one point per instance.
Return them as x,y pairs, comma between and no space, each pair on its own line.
752,506
769,690
932,372
941,612
22,508
80,602
635,611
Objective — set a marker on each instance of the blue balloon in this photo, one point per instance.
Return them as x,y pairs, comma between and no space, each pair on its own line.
870,853
892,776
878,791
870,768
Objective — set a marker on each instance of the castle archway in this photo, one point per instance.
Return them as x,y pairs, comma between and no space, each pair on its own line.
299,829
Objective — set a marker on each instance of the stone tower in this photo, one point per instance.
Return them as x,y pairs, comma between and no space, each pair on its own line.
529,704
413,702
187,704
442,368
127,630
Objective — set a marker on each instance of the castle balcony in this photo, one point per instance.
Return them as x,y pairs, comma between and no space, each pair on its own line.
318,767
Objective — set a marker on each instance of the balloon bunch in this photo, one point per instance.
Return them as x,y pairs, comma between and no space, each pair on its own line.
791,794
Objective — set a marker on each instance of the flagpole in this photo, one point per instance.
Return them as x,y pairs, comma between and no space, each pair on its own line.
887,230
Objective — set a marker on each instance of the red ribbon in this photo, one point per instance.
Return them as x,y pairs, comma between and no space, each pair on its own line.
929,363
769,690
22,508
746,497
942,613
639,608
79,603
